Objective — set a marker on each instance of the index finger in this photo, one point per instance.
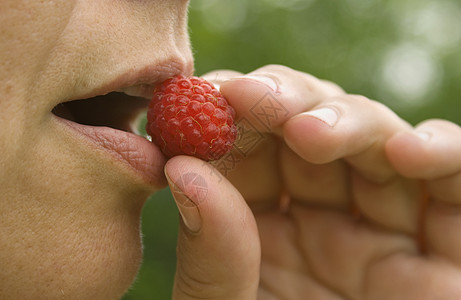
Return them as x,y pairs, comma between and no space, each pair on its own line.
264,100
269,96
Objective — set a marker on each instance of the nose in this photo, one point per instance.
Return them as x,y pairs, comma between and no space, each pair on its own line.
161,27
145,21
141,32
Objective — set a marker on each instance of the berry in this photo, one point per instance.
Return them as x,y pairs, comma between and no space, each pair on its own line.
190,116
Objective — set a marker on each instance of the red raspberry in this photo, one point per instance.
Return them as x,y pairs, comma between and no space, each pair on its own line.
190,116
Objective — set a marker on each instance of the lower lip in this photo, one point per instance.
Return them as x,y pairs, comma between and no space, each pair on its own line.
141,155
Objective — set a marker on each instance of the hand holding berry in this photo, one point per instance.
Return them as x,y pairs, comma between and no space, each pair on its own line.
328,205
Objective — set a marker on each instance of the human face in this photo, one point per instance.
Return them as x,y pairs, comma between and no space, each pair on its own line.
71,194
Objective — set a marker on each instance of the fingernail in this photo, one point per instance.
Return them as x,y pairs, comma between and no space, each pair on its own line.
269,82
326,115
217,85
188,209
424,135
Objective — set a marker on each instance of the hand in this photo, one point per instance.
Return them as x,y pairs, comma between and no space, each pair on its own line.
329,203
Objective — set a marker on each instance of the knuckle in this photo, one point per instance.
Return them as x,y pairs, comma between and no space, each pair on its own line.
377,108
191,287
274,68
439,124
332,88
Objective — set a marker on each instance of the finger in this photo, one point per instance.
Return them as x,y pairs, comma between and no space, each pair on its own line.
355,129
408,276
269,96
255,174
394,205
442,238
321,185
432,153
339,250
218,248
331,185
263,99
350,127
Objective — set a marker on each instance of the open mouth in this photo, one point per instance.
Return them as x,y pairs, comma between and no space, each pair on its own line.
112,123
108,120
116,110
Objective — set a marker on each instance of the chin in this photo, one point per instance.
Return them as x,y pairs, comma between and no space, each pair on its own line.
93,269
85,247
101,253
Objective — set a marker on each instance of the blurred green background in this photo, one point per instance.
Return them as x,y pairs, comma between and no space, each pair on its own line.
404,53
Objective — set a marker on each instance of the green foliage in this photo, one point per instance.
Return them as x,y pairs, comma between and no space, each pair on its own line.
160,226
405,53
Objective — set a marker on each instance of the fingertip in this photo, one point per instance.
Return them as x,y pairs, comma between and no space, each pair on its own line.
309,135
269,96
218,239
431,151
190,176
407,153
196,183
256,98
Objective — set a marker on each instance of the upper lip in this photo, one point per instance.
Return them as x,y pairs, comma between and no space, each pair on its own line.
141,81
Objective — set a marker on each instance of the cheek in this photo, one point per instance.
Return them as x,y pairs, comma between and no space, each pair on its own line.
28,34
69,225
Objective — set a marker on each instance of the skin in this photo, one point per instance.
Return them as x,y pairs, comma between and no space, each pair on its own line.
69,225
315,210
318,210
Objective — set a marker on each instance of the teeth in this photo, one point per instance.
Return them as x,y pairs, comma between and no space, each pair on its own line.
142,90
129,91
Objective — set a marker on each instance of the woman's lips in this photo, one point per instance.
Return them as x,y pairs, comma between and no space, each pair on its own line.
105,120
141,155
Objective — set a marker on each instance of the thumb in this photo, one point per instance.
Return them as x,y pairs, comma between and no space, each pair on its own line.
218,251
